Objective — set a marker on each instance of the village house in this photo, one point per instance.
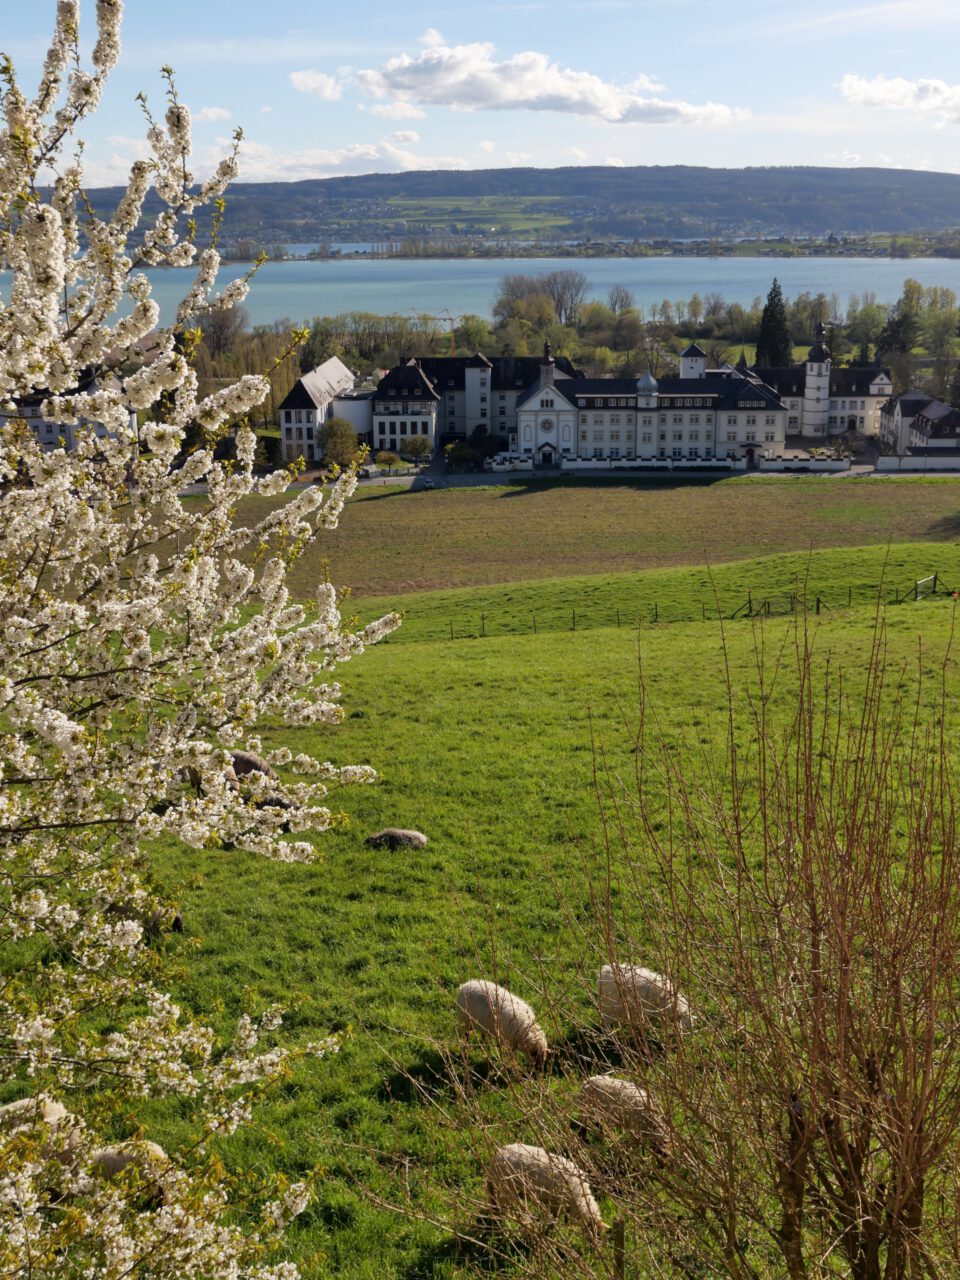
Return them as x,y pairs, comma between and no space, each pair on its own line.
308,404
915,420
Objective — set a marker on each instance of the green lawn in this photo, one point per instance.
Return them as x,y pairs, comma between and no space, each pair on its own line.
838,578
484,744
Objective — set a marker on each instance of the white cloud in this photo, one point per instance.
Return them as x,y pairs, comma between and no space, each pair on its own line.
577,153
266,110
212,113
432,39
316,82
261,163
934,98
397,111
406,136
468,77
488,146
614,161
517,157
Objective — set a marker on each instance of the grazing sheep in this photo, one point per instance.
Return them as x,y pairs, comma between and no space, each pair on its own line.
245,762
607,1100
497,1012
627,993
394,837
531,1178
109,1161
25,1111
20,1115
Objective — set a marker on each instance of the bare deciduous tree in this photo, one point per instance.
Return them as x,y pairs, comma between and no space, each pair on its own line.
566,291
620,299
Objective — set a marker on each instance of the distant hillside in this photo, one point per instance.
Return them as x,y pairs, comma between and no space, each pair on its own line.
643,202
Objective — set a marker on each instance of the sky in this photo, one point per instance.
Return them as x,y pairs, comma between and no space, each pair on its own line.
326,90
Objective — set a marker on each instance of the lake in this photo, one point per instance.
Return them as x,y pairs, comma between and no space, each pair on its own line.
300,290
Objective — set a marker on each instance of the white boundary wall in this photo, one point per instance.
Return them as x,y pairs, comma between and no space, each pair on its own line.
914,465
812,465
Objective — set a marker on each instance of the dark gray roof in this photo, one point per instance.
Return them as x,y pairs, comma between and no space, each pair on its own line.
910,402
693,351
567,390
406,380
508,373
727,389
792,380
604,387
938,420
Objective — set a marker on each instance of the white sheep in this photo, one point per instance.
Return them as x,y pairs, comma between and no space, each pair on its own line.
608,1100
630,994
18,1116
497,1012
26,1111
525,1177
109,1161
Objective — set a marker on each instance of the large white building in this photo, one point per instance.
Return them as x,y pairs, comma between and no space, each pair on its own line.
823,401
702,415
466,392
56,435
308,405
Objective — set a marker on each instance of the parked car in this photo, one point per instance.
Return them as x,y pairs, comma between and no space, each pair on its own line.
429,483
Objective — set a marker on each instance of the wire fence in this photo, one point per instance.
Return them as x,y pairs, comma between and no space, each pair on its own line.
681,608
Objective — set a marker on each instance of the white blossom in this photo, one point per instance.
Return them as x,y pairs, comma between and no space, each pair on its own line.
141,642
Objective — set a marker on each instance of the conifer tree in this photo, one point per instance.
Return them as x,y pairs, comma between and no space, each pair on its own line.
774,345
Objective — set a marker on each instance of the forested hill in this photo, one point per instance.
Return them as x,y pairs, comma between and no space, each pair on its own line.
670,201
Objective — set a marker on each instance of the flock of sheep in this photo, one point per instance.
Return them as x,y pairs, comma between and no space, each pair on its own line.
149,1158
527,1178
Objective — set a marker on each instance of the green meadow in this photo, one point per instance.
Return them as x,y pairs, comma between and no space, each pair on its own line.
489,743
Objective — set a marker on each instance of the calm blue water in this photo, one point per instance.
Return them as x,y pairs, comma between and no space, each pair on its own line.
300,290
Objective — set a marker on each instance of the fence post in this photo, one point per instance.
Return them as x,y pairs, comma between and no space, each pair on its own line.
451,628
483,624
618,619
793,602
916,589
656,610
849,595
619,1250
574,619
703,610
534,617
935,576
818,606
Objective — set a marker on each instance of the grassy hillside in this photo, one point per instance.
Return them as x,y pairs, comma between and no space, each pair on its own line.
835,577
486,746
660,200
396,541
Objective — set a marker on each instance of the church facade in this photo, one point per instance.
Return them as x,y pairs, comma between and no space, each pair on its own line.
702,415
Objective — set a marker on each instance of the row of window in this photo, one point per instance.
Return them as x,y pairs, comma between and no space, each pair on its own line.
415,428
298,415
